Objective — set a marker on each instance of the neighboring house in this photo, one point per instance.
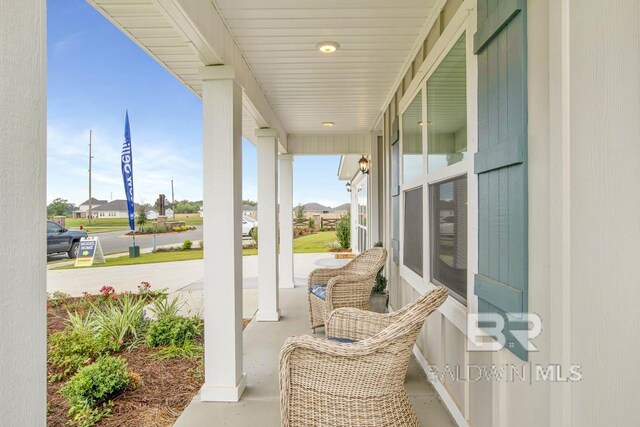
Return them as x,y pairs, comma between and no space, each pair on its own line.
250,210
342,209
113,209
83,208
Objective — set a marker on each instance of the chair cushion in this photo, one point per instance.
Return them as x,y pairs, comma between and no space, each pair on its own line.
343,340
319,290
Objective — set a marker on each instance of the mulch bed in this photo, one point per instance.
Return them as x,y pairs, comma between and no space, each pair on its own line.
166,388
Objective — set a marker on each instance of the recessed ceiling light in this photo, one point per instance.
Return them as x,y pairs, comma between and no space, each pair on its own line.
328,47
328,124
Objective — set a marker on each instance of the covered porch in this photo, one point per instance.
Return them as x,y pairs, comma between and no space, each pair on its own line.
260,403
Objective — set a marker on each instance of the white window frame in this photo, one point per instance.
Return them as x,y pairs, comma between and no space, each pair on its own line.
456,312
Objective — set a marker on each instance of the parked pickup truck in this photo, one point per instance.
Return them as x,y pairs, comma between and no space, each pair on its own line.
59,239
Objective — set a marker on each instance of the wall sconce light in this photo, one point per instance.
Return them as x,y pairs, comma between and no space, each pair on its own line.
363,164
348,186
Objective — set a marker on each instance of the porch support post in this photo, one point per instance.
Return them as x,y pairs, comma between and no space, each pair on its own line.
286,221
267,144
23,173
373,199
224,380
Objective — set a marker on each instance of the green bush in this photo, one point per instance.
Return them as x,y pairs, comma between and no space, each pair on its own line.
188,350
187,244
311,223
120,320
71,349
254,234
173,331
162,307
95,385
343,231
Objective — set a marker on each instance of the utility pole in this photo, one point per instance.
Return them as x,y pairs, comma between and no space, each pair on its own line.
173,200
90,157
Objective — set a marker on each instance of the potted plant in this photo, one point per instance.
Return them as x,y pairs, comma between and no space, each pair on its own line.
379,296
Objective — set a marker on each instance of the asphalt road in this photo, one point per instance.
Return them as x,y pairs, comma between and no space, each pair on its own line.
116,241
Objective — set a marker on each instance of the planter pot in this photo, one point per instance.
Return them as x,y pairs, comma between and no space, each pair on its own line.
378,302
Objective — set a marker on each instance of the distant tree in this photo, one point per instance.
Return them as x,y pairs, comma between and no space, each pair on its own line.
187,207
299,214
249,202
142,215
60,207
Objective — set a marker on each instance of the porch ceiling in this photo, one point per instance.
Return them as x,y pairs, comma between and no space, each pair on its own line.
306,87
291,86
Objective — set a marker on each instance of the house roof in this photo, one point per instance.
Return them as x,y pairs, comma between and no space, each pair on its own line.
115,205
343,207
249,208
94,201
316,207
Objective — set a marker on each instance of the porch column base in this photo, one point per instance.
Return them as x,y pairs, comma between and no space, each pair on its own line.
212,393
268,316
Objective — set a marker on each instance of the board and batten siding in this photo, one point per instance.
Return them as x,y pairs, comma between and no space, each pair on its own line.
23,149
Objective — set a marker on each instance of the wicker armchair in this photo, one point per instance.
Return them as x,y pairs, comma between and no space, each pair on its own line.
327,383
348,286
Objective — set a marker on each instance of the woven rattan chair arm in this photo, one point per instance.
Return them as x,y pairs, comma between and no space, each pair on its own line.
355,324
321,276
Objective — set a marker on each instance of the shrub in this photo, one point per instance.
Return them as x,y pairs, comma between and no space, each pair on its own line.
343,231
57,298
311,223
187,244
121,320
95,385
173,331
254,234
201,244
161,307
71,349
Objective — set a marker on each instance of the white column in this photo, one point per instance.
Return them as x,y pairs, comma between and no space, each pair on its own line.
373,199
286,221
23,171
224,380
267,144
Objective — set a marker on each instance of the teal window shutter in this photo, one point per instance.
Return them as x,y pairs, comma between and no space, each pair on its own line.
501,164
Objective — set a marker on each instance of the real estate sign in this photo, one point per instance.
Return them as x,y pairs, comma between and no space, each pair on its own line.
89,252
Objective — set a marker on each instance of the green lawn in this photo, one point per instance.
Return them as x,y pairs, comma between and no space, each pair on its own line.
100,223
313,243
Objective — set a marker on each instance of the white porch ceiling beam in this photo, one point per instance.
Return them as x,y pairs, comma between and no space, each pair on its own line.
329,144
200,23
183,35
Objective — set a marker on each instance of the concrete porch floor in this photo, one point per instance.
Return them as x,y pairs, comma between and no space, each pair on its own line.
260,404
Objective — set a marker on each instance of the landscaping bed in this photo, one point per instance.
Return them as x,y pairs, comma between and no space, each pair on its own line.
114,363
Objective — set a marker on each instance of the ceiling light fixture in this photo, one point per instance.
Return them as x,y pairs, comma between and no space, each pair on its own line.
328,124
328,47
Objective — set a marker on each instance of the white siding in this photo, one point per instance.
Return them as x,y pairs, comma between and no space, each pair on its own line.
23,376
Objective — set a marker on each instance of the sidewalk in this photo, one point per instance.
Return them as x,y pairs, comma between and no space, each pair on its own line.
181,277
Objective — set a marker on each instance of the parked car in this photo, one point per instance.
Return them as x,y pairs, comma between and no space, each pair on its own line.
59,240
248,224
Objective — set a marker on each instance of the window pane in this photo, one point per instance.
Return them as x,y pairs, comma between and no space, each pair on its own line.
447,110
449,236
412,252
412,140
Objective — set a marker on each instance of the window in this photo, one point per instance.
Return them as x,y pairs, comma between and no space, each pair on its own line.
412,250
52,227
412,164
447,110
449,236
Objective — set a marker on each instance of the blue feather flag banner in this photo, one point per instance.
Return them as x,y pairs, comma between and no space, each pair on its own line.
126,161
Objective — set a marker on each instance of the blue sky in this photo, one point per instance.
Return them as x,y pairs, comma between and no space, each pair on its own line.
94,74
